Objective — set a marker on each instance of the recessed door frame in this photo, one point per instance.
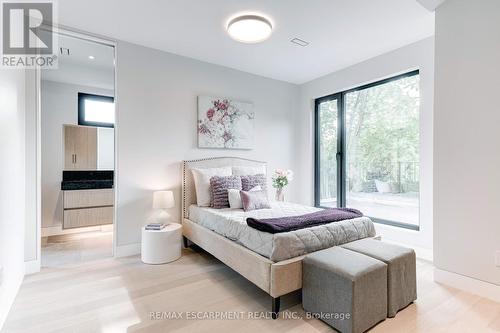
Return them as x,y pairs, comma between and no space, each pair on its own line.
35,265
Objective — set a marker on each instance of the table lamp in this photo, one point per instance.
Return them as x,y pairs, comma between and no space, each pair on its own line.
163,200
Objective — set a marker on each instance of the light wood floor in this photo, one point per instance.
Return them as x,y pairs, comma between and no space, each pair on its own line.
118,295
62,250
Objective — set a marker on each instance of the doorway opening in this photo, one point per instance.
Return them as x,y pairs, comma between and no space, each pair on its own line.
77,152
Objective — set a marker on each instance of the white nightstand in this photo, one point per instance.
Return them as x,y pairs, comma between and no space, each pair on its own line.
161,246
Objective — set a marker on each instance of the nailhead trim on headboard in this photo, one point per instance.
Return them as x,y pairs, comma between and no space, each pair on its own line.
184,167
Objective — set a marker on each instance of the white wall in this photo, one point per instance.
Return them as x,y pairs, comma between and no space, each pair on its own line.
59,106
419,55
89,76
157,120
12,185
105,148
466,139
31,228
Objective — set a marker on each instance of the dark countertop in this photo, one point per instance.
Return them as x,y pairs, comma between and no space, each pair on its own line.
86,185
87,180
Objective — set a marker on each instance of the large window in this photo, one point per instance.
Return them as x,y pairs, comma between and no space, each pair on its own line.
96,110
367,150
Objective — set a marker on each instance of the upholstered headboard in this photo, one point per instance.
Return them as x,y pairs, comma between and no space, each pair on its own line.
188,189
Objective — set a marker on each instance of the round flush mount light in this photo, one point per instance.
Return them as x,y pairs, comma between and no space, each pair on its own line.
91,57
249,28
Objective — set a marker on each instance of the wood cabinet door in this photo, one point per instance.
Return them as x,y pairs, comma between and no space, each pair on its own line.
81,151
69,147
87,217
88,198
80,148
91,148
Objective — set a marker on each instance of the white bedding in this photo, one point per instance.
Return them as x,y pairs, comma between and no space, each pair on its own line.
231,223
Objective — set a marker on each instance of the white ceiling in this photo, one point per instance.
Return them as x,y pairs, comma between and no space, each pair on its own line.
77,68
341,32
80,50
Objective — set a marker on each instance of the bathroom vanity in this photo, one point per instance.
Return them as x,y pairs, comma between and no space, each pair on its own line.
88,198
86,208
87,184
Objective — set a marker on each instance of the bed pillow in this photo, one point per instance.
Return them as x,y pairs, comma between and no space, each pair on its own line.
219,186
245,170
202,183
250,181
253,200
235,198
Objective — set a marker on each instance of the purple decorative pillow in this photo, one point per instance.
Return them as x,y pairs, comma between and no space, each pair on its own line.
219,186
250,181
253,200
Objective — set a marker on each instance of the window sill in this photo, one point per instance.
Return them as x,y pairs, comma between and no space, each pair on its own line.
395,224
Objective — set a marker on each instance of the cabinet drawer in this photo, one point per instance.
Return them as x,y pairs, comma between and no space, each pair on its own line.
88,198
86,217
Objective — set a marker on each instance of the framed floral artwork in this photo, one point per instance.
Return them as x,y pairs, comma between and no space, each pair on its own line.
224,123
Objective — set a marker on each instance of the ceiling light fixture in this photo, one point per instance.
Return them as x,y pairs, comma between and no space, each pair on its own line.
91,57
249,28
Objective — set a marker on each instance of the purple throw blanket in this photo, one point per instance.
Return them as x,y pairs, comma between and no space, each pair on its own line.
290,223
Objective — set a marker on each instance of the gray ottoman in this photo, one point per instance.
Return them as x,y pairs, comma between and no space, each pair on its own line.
401,270
345,289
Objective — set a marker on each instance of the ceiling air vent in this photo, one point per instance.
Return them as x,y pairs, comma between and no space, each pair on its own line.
299,42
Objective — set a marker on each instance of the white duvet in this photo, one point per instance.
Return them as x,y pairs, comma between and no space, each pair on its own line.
231,223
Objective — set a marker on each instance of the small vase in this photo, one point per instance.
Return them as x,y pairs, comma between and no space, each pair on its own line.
280,195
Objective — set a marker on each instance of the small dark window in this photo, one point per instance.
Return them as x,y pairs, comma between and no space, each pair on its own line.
96,110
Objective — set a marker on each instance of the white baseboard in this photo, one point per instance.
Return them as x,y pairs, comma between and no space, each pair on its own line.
471,285
58,230
31,267
128,250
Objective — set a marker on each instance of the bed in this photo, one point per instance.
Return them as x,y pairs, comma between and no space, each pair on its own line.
273,262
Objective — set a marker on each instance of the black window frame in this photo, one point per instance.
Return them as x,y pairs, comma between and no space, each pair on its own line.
82,97
341,147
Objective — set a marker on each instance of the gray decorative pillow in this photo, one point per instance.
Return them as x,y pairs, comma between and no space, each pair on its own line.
253,200
219,186
250,181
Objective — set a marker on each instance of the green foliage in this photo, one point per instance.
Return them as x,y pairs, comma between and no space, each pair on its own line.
281,178
280,182
382,137
328,149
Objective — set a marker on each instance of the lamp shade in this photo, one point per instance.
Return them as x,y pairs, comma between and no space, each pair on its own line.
163,200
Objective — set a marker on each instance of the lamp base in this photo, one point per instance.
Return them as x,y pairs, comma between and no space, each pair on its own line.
163,217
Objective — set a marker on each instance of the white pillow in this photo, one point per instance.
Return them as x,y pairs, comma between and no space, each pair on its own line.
235,198
246,171
202,183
